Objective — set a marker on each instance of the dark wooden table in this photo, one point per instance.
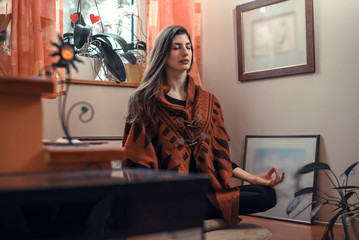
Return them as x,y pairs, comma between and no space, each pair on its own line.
99,204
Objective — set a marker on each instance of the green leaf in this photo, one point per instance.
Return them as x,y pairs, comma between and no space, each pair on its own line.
344,176
305,191
345,225
329,229
349,171
348,195
347,187
112,61
313,167
303,209
315,210
130,57
101,38
295,202
68,35
115,37
81,34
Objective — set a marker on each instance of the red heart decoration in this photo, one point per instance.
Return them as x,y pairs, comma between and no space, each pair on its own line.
74,18
94,18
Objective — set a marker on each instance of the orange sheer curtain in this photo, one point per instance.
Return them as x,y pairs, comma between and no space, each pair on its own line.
34,25
5,17
162,13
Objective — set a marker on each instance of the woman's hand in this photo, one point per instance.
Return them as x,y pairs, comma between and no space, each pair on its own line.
268,180
264,179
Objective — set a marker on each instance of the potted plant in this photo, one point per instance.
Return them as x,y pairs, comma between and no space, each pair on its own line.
346,203
110,48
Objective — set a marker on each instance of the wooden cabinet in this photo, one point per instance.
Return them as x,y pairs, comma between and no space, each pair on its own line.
21,147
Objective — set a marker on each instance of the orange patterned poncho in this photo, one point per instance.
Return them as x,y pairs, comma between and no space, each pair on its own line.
179,132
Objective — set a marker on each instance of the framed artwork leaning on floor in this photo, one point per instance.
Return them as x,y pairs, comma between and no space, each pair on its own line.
288,154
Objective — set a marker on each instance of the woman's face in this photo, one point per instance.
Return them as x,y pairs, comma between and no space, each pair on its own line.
180,56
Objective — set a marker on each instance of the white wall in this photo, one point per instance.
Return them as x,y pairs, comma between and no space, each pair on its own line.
110,105
324,103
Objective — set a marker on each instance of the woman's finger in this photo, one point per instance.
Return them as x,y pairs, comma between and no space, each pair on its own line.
282,178
277,175
271,171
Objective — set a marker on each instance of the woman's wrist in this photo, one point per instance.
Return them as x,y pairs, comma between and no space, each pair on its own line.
243,175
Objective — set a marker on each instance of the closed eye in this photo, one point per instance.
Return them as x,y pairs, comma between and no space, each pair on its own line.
177,46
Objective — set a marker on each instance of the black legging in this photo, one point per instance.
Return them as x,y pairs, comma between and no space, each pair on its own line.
252,199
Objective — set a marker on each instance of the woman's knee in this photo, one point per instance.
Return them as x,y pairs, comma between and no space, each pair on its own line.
256,198
271,196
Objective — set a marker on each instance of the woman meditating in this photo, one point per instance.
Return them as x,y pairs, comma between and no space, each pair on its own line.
174,124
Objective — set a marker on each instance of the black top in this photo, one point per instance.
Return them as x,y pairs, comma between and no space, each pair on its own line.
175,101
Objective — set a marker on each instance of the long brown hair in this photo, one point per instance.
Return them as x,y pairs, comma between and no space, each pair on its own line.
142,103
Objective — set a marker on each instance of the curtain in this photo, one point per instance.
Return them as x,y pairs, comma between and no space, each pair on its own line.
34,25
5,17
163,13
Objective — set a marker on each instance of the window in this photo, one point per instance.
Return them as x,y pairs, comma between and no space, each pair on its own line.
117,16
120,17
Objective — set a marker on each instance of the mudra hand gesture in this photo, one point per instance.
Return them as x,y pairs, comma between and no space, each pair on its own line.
268,180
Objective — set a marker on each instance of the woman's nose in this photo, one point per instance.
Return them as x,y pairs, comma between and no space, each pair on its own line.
185,51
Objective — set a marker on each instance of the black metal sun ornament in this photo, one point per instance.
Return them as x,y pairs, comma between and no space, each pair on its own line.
67,54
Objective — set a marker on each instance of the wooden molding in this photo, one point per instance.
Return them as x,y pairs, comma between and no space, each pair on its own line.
103,83
25,84
82,154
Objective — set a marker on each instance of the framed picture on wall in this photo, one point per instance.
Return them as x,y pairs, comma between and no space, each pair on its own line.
288,154
275,38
